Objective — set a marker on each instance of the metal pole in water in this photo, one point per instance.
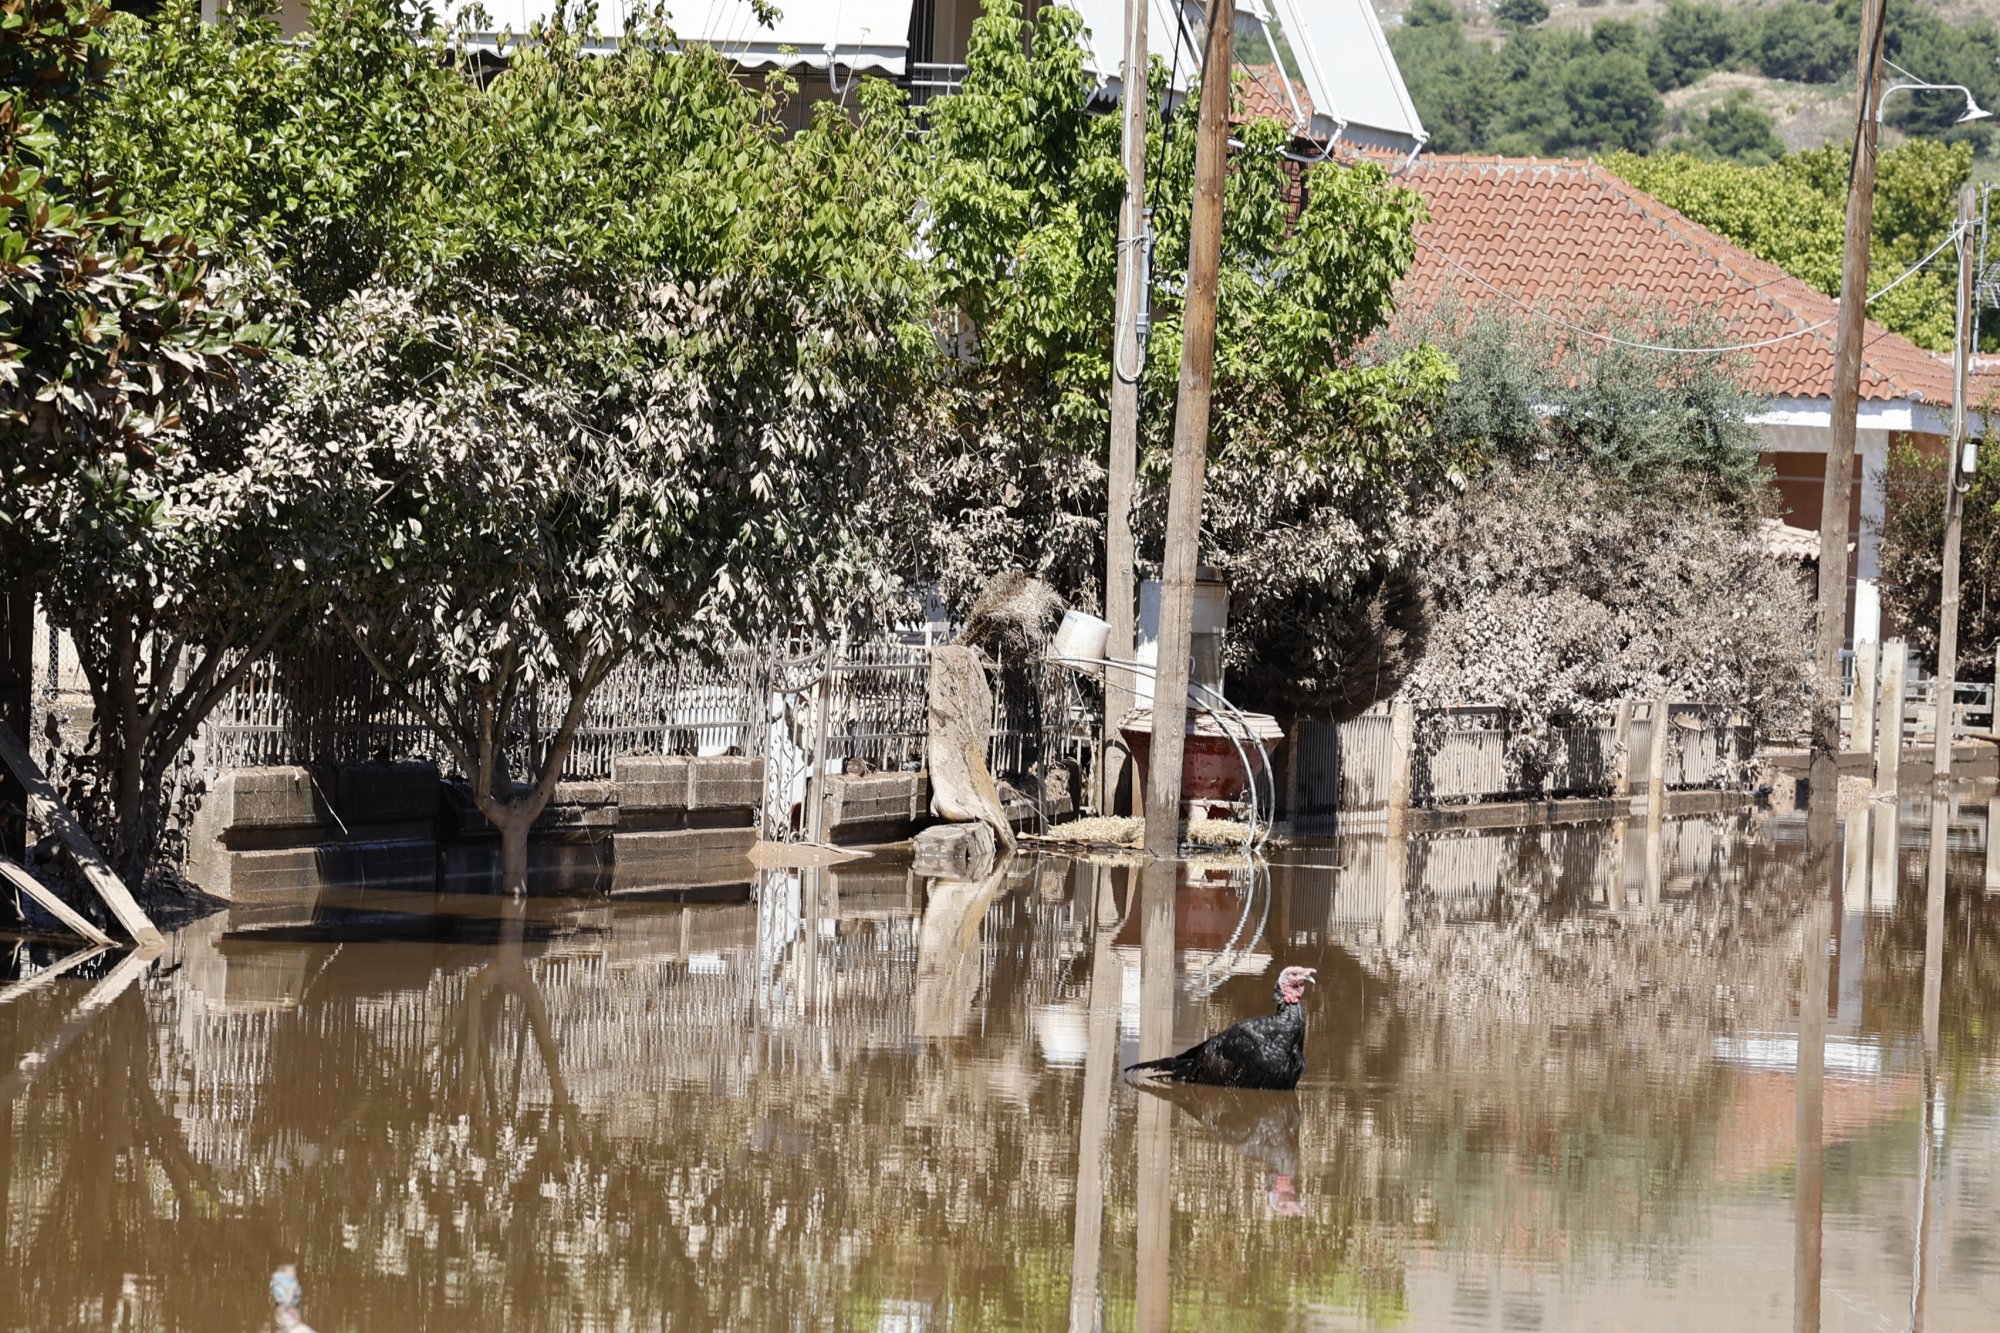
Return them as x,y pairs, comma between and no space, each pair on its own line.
1954,497
1127,368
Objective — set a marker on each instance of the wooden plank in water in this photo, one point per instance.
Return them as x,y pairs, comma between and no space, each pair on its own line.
42,800
17,876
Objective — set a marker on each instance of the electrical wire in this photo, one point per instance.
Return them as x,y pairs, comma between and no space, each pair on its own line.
1543,315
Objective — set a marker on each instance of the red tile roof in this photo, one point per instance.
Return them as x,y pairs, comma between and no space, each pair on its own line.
1260,92
1570,236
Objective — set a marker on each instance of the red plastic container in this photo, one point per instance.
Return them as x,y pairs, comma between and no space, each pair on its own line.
1212,766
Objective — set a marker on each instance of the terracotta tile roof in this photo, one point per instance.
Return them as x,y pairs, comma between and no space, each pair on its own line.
1569,235
1260,92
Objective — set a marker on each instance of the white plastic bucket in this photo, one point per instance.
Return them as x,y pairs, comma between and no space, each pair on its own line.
1080,637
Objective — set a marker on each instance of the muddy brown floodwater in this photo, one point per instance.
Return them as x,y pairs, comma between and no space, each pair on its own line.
1555,1084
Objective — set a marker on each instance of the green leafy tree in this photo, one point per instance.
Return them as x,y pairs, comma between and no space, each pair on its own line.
1693,41
590,353
1964,51
1791,214
1521,13
1022,193
641,409
1734,130
1541,93
1453,80
1805,42
137,497
329,159
1609,105
1544,91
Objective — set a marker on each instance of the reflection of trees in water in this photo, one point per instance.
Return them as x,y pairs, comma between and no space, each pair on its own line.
395,1120
725,1115
1559,1078
114,1222
1892,1006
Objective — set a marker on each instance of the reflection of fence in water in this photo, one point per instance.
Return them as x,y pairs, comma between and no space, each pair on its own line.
1464,875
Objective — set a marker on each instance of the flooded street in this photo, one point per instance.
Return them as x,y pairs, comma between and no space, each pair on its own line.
1554,1085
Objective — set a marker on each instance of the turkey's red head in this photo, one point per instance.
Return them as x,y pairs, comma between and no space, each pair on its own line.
1292,983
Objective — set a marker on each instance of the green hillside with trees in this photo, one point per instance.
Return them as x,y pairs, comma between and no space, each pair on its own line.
1546,90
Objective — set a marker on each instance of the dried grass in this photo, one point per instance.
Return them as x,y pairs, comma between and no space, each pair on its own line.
1130,832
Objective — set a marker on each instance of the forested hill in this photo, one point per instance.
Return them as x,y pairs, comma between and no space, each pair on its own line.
1739,82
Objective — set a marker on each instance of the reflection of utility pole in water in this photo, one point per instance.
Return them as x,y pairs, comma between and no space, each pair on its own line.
1099,1063
1883,871
1852,952
1809,1078
1156,1145
1993,829
1930,1121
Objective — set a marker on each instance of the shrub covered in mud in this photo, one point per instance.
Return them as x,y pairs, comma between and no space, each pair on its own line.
1610,547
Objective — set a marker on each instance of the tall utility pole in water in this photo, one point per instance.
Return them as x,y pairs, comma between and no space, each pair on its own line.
1954,498
1190,464
1838,493
1127,364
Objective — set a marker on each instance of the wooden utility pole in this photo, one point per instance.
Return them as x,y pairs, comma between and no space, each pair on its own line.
1127,364
1954,499
1838,492
1190,463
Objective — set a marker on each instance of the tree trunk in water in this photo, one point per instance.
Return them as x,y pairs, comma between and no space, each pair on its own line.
513,827
131,810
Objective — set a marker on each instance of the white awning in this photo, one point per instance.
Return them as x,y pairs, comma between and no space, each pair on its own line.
1104,39
1338,53
869,35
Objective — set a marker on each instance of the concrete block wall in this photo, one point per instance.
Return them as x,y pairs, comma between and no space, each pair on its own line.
276,833
879,808
662,822
681,817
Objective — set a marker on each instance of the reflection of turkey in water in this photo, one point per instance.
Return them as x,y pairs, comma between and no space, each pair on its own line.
1555,1085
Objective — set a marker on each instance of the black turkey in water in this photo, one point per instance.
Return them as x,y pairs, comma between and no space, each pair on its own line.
1268,1052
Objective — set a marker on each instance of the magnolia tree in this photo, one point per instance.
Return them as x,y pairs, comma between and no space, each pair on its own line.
132,496
638,404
